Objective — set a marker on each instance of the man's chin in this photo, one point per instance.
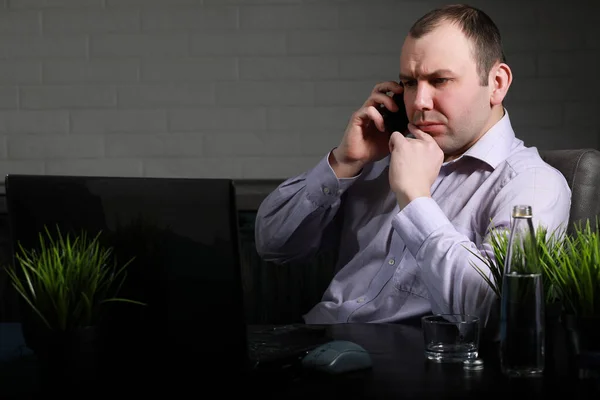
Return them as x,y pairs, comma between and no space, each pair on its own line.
442,141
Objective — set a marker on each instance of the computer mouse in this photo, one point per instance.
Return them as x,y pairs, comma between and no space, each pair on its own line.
336,357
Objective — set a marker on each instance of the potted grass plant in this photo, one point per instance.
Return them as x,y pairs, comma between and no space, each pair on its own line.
575,273
570,267
575,277
63,285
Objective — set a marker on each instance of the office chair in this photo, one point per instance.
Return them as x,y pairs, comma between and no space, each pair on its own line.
581,168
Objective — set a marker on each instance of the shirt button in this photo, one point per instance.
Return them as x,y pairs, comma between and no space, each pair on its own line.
360,300
339,191
391,261
326,190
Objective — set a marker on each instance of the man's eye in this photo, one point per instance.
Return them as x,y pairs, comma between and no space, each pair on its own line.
440,81
409,83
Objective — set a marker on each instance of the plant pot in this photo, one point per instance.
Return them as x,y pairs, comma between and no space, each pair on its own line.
63,356
583,346
554,340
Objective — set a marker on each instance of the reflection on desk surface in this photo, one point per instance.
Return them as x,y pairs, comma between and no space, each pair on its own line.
400,370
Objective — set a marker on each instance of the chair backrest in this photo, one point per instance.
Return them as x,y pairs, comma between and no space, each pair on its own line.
581,168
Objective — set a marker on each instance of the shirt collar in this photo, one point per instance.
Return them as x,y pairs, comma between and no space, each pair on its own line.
495,145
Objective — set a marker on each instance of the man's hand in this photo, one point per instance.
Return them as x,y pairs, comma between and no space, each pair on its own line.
414,165
365,139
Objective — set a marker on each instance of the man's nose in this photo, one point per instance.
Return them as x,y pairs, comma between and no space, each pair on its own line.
423,97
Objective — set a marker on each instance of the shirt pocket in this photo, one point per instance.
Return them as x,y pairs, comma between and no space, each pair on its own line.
407,277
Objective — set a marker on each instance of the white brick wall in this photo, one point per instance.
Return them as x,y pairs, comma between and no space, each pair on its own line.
251,89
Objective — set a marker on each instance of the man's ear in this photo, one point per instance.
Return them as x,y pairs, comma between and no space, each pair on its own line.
500,80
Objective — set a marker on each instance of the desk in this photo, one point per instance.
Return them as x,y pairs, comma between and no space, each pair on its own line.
400,371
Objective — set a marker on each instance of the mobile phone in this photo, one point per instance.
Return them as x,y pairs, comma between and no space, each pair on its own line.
395,121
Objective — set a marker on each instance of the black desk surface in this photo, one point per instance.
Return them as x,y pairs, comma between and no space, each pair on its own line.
399,370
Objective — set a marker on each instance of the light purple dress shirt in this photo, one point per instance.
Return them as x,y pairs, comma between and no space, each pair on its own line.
395,264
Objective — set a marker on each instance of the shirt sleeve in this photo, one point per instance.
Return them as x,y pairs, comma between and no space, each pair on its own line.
292,220
445,255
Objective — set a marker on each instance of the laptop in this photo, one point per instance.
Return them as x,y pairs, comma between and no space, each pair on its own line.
183,236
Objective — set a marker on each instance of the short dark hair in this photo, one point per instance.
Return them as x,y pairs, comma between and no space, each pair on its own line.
476,25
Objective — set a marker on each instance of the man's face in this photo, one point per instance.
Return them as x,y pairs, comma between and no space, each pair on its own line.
442,90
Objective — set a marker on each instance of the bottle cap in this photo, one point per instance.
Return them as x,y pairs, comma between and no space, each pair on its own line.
522,211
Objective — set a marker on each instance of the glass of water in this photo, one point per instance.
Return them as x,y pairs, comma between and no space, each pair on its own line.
451,337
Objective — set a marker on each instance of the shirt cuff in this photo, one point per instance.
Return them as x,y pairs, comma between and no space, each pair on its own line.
323,187
417,221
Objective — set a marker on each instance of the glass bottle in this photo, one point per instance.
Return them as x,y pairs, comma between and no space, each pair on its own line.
522,302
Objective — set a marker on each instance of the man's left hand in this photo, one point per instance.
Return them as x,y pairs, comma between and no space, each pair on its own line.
414,165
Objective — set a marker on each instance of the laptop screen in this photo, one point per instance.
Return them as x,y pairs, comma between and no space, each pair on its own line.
182,235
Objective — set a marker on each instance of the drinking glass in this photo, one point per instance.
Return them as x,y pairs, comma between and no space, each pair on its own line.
451,337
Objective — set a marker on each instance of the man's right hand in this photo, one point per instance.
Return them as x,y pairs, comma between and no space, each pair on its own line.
365,139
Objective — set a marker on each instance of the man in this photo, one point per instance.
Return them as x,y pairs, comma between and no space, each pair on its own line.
408,211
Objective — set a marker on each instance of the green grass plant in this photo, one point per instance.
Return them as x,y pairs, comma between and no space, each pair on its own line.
575,274
542,258
68,279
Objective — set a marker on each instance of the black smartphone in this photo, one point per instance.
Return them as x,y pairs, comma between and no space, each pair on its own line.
395,121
